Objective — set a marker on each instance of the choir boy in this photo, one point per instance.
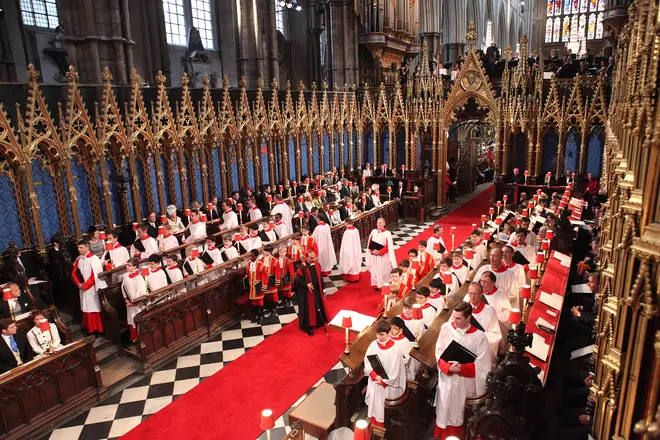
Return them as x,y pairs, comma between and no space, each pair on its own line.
407,278
167,240
173,271
486,316
458,268
134,290
192,265
392,293
282,208
436,297
228,251
416,326
381,258
446,274
213,254
350,253
403,341
196,228
254,275
307,242
242,240
280,228
520,244
268,233
378,388
145,245
436,244
156,278
458,381
117,255
296,252
255,240
426,260
413,257
253,210
428,310
285,290
271,277
86,270
476,238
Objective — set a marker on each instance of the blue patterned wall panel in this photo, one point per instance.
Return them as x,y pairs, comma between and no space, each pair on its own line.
400,148
99,187
326,154
369,146
265,162
292,158
234,178
114,190
140,167
572,152
169,199
11,225
153,176
385,142
550,146
216,173
129,193
357,161
197,177
335,141
177,181
82,193
303,151
595,152
348,154
67,202
43,186
418,165
249,164
519,142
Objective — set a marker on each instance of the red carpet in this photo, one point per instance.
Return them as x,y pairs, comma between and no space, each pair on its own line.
276,372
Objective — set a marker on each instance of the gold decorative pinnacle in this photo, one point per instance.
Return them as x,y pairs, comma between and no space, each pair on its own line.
106,75
325,85
135,77
225,82
301,86
160,78
32,73
260,83
471,36
313,86
72,75
205,80
274,84
523,40
243,82
185,80
288,84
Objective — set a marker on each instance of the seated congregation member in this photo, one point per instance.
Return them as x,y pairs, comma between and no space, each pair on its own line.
156,279
167,240
229,217
134,291
392,363
145,244
429,311
485,315
457,381
86,270
18,305
15,349
285,290
326,255
152,227
309,285
43,341
350,253
174,221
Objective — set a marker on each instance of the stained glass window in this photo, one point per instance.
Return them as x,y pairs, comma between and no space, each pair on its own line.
556,30
548,30
42,13
601,5
593,4
583,5
558,7
599,26
591,28
566,30
576,6
201,19
567,7
175,22
574,29
550,9
583,26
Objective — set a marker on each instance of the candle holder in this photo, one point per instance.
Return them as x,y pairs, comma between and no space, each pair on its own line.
347,323
417,315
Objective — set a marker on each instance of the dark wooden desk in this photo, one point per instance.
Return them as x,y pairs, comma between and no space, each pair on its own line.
48,390
513,191
427,186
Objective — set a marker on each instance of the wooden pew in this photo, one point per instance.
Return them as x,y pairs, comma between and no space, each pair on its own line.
47,390
172,323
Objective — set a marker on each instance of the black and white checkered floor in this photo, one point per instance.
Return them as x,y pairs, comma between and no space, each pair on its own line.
125,410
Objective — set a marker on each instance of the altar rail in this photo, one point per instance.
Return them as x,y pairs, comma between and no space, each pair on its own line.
174,323
48,390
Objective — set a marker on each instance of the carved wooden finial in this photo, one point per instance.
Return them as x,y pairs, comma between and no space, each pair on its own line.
107,76
205,80
160,78
185,80
225,81
72,75
260,83
135,77
274,84
243,82
301,86
32,73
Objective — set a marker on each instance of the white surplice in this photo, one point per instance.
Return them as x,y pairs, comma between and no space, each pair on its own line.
197,232
433,247
350,253
90,266
394,366
150,247
454,389
404,346
156,279
506,280
229,220
255,214
133,287
323,238
487,318
167,243
380,266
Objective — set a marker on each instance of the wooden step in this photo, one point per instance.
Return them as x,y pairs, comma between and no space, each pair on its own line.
106,354
119,373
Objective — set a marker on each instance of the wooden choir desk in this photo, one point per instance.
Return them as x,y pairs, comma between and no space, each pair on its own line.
174,322
427,186
513,191
47,390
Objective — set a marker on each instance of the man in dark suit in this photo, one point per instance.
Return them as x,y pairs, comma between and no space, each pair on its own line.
313,219
14,347
399,191
213,212
152,227
610,67
343,211
19,304
533,59
493,53
344,191
516,177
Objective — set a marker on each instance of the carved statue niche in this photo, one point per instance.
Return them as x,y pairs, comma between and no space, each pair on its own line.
513,395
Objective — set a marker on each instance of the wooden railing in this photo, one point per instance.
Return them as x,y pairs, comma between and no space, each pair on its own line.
174,322
49,390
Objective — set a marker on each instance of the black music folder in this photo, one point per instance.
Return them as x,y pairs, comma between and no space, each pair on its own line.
477,324
373,246
520,258
207,259
455,352
377,366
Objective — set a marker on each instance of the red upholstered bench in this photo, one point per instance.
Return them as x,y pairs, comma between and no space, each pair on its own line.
244,303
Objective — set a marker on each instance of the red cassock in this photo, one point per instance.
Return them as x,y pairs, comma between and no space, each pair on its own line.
426,264
270,268
407,282
308,244
254,271
286,268
295,252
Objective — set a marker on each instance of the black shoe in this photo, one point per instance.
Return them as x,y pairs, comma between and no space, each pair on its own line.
310,331
260,317
273,311
288,303
281,304
255,315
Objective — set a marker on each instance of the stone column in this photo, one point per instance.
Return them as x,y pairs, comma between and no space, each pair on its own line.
257,41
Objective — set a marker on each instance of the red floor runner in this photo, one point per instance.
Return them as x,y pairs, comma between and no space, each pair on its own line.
276,372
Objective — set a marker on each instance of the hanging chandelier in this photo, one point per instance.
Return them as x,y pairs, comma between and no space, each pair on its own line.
290,4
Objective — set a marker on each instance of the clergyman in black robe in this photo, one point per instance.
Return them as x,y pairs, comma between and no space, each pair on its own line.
309,284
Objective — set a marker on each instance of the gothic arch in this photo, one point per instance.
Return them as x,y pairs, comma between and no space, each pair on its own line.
501,28
473,15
